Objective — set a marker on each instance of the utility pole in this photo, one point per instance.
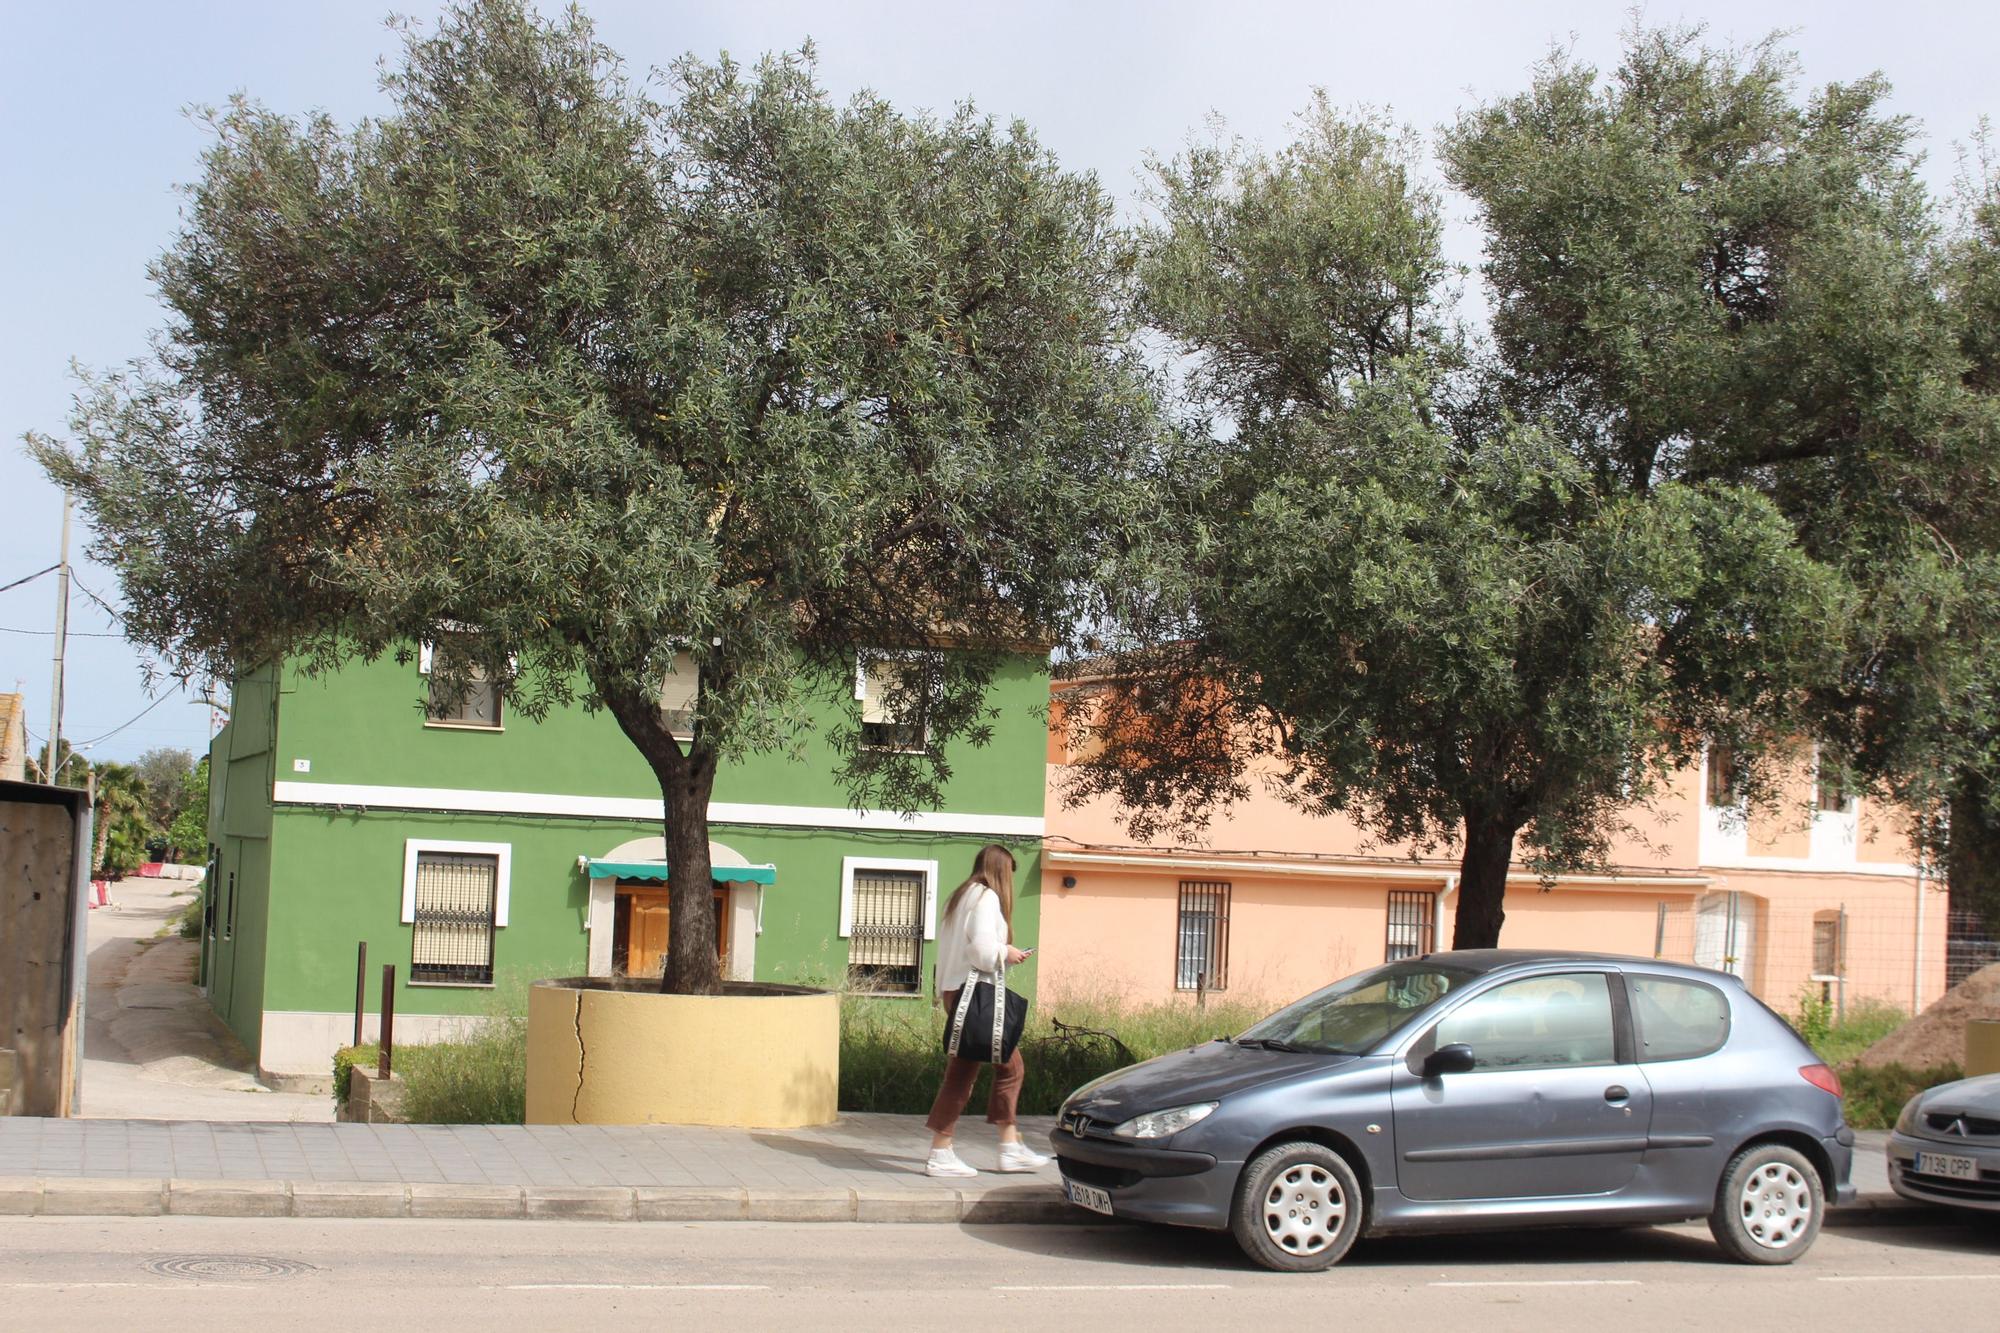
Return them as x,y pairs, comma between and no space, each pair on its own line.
62,636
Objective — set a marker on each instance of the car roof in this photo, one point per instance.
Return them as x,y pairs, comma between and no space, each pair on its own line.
1517,960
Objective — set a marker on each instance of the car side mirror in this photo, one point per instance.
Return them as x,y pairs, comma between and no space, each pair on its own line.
1453,1059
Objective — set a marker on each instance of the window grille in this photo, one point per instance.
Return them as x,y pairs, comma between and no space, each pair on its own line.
1412,923
885,942
453,936
1201,948
1829,944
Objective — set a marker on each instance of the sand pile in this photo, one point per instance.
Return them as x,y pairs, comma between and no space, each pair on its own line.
1937,1035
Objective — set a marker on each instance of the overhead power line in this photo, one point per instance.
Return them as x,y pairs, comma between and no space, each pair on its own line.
31,578
78,745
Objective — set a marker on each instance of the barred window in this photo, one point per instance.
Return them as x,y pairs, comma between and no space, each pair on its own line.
885,942
1829,929
455,894
1201,948
1412,923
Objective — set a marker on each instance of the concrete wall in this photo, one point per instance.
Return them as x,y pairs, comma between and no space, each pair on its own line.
44,842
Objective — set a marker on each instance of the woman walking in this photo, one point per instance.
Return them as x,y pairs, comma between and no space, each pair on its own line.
976,935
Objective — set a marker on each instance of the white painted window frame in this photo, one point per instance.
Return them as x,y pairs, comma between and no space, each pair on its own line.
850,864
503,852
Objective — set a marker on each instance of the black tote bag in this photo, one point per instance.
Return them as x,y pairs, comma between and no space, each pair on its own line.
980,1029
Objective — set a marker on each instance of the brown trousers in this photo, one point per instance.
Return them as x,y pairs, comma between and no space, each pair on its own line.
959,1076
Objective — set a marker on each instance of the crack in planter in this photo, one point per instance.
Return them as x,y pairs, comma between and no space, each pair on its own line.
582,1059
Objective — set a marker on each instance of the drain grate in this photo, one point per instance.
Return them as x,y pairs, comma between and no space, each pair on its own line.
226,1267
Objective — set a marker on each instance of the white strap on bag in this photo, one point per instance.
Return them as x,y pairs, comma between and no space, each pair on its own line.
973,978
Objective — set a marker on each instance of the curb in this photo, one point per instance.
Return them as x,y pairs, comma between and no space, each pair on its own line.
74,1196
1890,1210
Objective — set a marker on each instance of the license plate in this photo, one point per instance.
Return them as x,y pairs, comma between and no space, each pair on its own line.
1948,1166
1088,1196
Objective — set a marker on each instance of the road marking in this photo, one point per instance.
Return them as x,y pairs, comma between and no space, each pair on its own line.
1124,1286
165,1284
1553,1281
1916,1277
629,1286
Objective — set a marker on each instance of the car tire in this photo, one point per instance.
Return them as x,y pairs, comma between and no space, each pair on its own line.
1298,1208
1769,1205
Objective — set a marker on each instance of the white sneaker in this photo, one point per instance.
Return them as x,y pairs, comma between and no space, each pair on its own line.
945,1162
1020,1157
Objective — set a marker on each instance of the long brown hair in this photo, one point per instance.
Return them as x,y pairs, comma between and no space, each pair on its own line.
993,867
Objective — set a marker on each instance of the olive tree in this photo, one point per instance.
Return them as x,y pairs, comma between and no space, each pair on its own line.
584,375
1483,585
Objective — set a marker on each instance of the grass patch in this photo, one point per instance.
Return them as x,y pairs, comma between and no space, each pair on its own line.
892,1050
1840,1039
1875,1097
480,1078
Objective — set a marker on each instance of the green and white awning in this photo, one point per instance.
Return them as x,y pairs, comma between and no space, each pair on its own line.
646,859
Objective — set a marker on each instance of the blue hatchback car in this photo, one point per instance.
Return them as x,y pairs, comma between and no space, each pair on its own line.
1474,1089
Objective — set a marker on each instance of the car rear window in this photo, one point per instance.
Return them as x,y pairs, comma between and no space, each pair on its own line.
1677,1019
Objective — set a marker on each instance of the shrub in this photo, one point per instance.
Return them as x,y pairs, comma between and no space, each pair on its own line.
1866,1022
1875,1096
344,1061
478,1078
1814,1020
188,924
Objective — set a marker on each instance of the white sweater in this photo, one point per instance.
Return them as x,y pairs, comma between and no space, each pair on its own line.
971,939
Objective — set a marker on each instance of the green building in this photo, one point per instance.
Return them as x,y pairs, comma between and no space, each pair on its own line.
481,849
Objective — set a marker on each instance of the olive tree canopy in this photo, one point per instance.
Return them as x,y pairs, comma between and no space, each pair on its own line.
1683,487
578,376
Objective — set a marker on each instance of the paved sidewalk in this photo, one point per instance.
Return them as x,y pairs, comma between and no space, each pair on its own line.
861,1168
866,1168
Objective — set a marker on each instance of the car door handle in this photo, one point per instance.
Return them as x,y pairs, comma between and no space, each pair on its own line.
1616,1093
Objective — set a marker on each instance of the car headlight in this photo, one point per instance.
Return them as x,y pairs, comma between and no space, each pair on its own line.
1159,1124
1907,1121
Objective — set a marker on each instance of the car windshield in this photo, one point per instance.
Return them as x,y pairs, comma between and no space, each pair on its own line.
1351,1016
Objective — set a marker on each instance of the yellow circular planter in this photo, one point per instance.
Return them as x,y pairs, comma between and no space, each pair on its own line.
756,1056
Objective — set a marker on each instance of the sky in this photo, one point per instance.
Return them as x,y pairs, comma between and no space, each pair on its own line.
93,97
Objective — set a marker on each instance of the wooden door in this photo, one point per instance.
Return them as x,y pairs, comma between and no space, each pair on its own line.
640,932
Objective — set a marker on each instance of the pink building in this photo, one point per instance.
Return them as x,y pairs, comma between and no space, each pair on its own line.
1821,898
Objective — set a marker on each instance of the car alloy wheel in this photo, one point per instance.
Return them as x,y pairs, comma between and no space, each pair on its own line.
1768,1206
1298,1208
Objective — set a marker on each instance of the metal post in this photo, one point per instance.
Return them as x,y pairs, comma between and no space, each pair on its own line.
388,1019
1660,932
62,638
360,987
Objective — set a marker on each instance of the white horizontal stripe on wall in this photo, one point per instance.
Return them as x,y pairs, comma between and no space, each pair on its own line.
463,801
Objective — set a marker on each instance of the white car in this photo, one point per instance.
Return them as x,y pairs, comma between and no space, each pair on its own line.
1946,1148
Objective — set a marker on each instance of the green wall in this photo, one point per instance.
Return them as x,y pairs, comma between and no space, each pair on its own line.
339,878
365,725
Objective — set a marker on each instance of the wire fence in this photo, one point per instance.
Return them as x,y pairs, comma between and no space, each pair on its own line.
1894,946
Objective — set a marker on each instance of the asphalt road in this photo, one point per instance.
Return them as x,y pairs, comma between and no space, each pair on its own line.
216,1274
